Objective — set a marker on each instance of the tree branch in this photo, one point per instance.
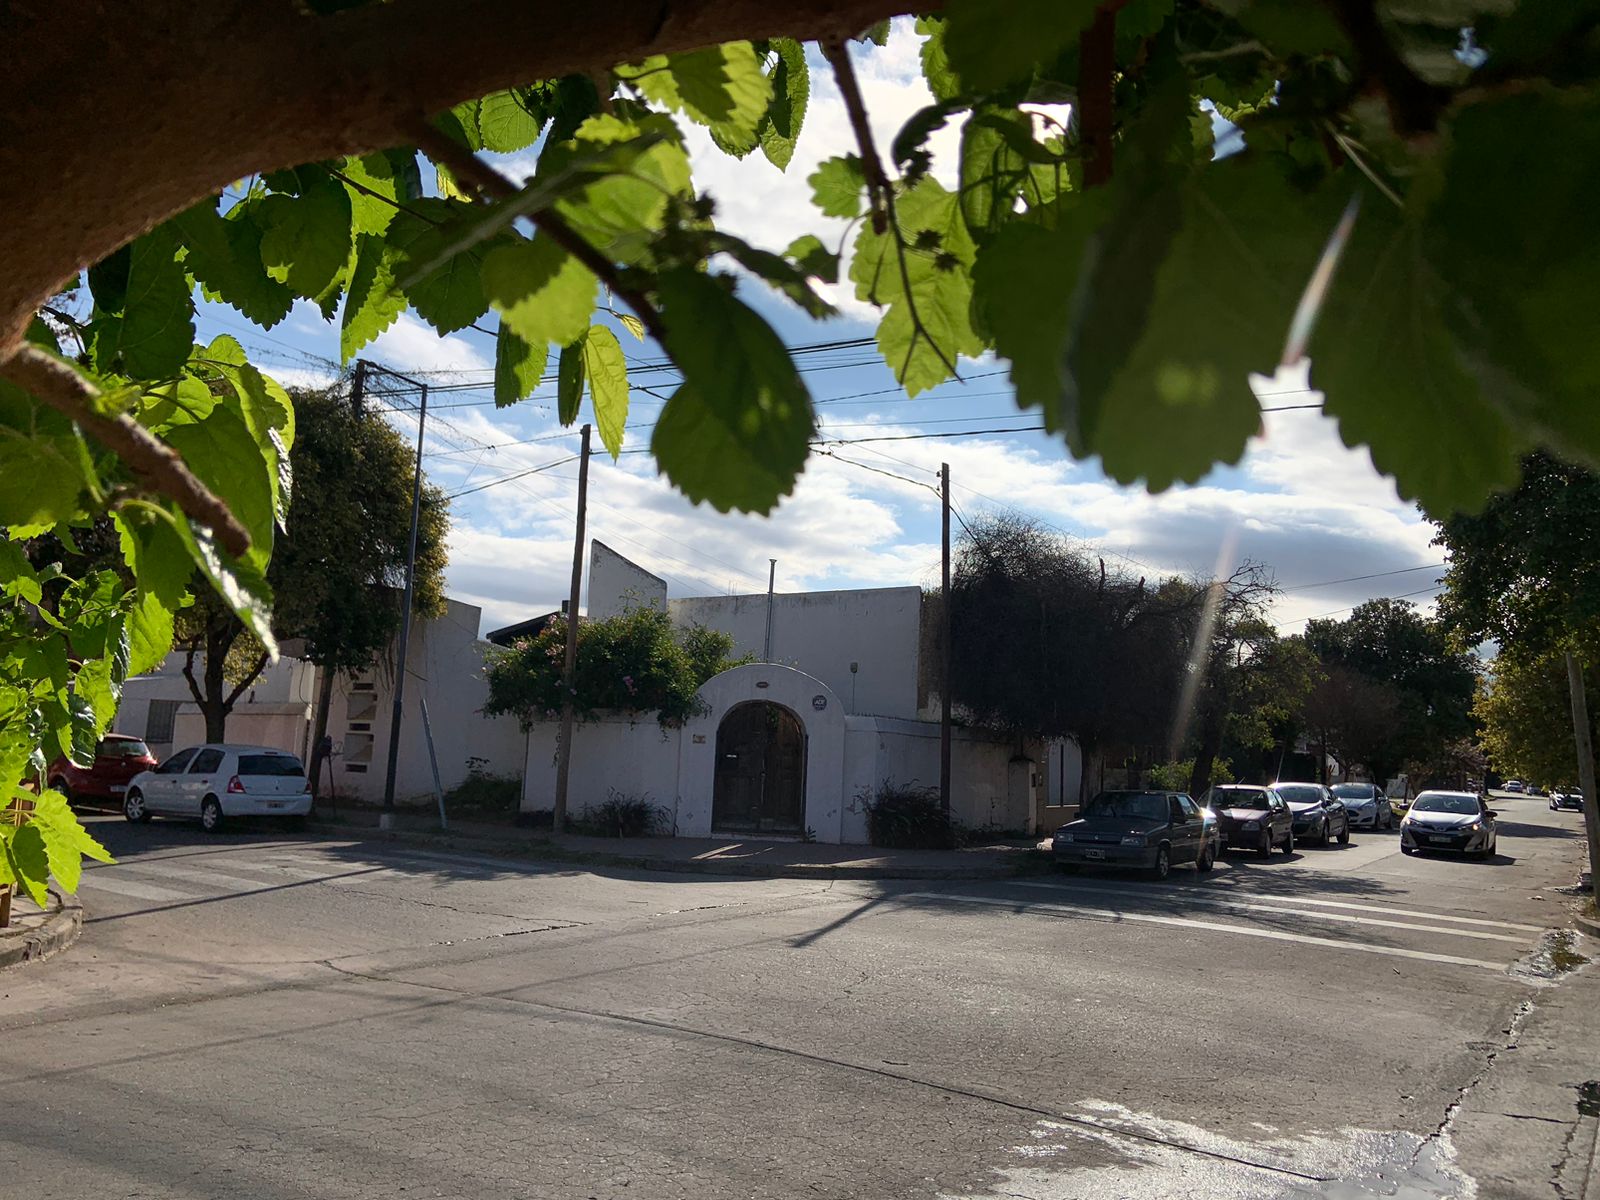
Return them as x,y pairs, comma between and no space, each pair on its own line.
1097,77
1414,103
188,673
156,464
490,184
255,673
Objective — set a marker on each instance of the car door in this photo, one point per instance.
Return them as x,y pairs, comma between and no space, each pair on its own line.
198,780
1280,819
1194,827
160,787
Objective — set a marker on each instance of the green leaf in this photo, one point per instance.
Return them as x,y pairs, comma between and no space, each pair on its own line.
450,296
543,293
44,464
921,347
305,239
373,302
268,414
607,372
1001,163
1504,233
224,254
108,280
722,87
241,585
936,69
150,630
569,382
505,124
632,324
622,214
791,88
771,268
518,366
1398,378
225,456
25,861
992,43
837,185
152,336
811,256
66,842
736,432
877,33
392,175
155,552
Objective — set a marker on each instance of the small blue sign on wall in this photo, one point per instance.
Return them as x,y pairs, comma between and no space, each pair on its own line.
819,702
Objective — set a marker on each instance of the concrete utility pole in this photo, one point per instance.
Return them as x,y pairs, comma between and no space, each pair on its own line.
386,817
558,818
944,641
1585,747
772,578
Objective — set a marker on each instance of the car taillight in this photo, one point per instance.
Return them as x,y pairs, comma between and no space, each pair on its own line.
306,786
234,785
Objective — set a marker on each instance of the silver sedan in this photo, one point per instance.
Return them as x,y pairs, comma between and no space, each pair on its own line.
1367,804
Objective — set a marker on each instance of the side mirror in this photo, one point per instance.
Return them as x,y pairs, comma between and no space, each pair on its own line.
1494,812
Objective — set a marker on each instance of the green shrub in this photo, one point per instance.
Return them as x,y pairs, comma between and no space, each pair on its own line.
1174,776
621,816
483,793
908,817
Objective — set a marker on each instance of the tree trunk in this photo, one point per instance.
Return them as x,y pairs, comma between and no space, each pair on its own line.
1585,748
1205,758
215,707
319,730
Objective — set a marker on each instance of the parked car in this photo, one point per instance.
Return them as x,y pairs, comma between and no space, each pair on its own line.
1533,789
1369,807
1251,817
117,759
1153,830
1318,816
1514,785
1449,821
1566,797
218,782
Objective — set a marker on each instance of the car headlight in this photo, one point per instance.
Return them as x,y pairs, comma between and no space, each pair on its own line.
1251,825
1133,839
1064,837
1473,828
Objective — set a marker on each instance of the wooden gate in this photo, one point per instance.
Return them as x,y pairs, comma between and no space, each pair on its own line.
760,784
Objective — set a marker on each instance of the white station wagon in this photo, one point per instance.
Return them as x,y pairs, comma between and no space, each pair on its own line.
217,782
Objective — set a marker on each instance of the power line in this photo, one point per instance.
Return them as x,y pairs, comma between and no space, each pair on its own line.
1334,611
560,462
1305,587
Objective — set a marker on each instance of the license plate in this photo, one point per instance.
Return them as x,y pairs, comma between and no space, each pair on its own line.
1441,841
119,787
1094,853
274,803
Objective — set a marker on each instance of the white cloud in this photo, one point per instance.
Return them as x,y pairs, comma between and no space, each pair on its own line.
411,345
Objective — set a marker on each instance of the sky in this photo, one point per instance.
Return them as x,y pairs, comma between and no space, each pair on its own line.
866,513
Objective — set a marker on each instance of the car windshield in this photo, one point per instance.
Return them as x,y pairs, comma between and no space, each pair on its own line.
1445,802
270,764
1252,798
1355,791
1143,806
122,748
1300,793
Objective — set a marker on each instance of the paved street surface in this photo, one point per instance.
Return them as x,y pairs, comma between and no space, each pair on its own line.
261,1015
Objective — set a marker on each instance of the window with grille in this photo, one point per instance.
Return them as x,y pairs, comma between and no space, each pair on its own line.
158,721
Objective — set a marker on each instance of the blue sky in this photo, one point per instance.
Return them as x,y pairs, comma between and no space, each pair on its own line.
867,515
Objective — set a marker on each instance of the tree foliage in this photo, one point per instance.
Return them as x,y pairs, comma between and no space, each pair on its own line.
634,662
1129,267
1525,717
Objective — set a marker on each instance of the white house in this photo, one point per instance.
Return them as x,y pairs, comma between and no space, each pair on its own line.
791,744
444,671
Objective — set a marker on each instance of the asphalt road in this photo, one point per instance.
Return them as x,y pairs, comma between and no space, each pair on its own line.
264,1016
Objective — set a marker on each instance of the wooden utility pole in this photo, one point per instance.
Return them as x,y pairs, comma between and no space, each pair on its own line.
1585,748
558,819
944,642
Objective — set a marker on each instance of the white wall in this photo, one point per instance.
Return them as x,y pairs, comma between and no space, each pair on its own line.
636,758
822,633
284,691
615,583
983,794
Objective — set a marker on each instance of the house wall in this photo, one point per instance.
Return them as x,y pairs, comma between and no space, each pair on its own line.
615,583
823,633
284,689
635,758
282,726
983,793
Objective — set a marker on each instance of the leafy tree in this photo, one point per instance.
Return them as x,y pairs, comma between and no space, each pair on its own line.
1398,688
1526,573
1525,717
633,662
1131,276
339,564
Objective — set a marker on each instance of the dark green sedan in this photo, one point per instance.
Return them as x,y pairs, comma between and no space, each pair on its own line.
1154,831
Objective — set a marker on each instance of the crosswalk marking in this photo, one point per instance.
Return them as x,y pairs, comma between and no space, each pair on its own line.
193,875
1277,935
113,881
1227,900
1299,900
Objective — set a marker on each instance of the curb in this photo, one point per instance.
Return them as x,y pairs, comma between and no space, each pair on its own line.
64,927
1586,924
683,866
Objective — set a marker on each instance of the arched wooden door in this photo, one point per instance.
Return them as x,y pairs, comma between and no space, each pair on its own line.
760,784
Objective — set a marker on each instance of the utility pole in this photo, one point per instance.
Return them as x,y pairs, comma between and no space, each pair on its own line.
558,818
772,578
386,817
944,641
358,388
1586,773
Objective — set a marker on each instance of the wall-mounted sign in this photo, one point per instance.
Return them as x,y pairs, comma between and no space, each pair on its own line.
819,702
699,739
761,683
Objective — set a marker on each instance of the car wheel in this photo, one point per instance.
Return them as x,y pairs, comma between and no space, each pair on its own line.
210,814
1265,849
1207,859
1325,838
1344,834
1163,865
1288,842
133,807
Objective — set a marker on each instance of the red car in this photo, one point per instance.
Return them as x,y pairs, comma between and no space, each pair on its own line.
117,759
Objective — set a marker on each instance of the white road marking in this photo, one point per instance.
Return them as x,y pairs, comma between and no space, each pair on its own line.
1275,935
105,880
218,879
1377,908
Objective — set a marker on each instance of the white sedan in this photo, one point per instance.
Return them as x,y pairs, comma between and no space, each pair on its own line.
216,782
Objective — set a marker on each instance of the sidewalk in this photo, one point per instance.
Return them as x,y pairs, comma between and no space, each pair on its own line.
711,856
35,933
